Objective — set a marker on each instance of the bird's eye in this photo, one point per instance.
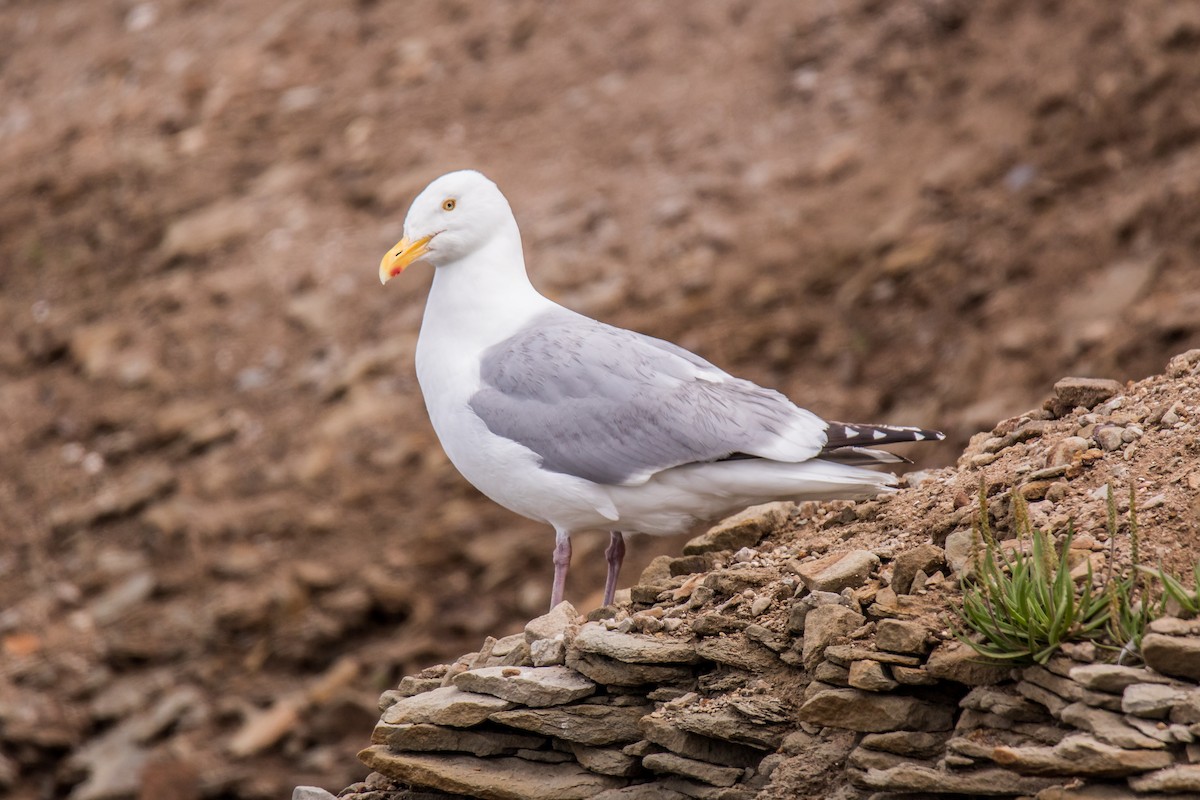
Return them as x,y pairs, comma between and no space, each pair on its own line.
448,205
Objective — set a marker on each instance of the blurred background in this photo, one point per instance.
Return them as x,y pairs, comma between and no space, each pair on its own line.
225,523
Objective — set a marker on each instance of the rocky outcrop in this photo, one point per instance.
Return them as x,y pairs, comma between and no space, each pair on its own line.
803,651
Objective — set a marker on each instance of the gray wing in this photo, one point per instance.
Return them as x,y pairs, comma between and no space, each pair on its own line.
615,407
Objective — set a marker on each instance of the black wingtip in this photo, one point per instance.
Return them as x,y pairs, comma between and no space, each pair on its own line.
844,434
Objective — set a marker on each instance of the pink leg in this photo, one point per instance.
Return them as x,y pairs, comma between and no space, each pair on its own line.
615,554
562,561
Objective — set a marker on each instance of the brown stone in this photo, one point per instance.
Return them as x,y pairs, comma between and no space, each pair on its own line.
611,672
595,725
922,779
870,676
823,626
438,739
745,529
856,710
1080,754
634,648
445,706
927,558
902,636
955,661
1071,393
1173,655
1180,778
691,768
664,733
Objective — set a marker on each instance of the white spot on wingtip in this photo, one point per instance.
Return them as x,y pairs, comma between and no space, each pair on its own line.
851,432
880,435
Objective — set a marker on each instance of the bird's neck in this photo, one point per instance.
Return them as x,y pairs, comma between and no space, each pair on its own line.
484,297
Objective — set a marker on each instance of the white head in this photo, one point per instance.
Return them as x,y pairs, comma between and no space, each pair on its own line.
451,218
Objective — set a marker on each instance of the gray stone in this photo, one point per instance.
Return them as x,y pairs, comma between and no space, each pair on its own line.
1174,626
558,623
594,725
902,636
1065,688
734,725
856,710
312,793
410,685
865,758
870,676
1155,730
1109,437
527,686
612,672
1150,700
738,652
1004,703
912,676
1109,702
927,558
961,547
916,744
606,761
954,661
423,738
491,778
800,609
1112,677
548,652
693,745
1173,655
1108,727
642,791
448,705
824,625
745,529
839,571
1083,755
1180,778
1052,702
829,672
634,648
1187,710
845,654
922,779
691,768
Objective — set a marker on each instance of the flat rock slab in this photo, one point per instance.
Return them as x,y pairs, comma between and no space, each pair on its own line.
634,648
691,768
693,745
839,571
856,710
1108,727
422,738
736,726
594,725
1082,755
987,782
612,672
1181,778
448,705
1113,678
490,778
535,687
1150,700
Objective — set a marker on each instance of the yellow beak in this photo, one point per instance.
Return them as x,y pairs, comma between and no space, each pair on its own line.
399,257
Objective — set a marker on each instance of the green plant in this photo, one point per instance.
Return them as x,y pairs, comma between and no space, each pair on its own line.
1024,606
1187,599
1130,595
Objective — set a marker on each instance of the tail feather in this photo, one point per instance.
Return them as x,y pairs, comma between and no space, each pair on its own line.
848,435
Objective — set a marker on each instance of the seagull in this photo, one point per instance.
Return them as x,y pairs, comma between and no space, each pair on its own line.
582,425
